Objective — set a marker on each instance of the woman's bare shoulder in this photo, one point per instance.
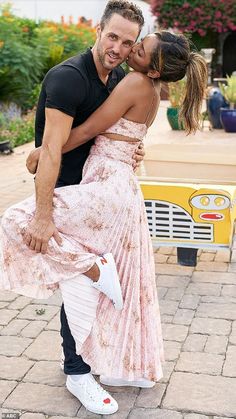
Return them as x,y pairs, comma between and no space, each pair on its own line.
135,78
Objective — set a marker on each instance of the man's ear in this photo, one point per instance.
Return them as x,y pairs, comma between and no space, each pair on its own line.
153,74
98,31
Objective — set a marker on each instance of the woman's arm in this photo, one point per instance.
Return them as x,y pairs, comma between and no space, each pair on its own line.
123,97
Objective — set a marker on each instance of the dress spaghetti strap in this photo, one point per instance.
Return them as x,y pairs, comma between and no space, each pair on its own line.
153,97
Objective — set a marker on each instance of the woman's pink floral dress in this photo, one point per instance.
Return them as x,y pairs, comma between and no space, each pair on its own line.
104,213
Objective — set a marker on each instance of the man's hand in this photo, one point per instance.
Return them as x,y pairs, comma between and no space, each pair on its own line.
138,156
32,160
38,233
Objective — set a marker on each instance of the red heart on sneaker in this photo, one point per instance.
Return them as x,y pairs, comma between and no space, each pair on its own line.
107,401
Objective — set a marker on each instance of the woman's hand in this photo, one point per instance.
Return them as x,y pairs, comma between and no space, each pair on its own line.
138,156
32,160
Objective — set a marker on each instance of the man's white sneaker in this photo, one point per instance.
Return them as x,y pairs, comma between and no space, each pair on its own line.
109,282
92,395
143,383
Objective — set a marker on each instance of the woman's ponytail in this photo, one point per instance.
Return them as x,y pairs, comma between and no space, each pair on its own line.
196,74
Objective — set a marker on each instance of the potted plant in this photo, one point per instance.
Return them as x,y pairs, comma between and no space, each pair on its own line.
228,116
176,96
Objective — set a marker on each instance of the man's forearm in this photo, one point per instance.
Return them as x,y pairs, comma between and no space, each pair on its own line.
46,177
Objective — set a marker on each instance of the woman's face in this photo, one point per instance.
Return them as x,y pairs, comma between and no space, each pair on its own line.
140,55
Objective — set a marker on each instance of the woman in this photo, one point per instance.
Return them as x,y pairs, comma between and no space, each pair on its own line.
106,213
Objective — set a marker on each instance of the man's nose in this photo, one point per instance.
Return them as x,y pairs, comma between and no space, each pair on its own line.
117,47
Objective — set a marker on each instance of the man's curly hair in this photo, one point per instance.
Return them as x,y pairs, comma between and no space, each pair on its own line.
126,9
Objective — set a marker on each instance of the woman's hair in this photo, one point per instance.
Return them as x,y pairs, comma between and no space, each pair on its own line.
173,59
126,9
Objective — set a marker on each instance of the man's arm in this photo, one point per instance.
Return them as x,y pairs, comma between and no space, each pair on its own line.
41,228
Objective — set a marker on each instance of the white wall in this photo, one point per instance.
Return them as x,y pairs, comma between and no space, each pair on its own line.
54,9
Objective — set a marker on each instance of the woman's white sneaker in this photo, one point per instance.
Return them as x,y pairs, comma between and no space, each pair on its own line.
116,382
92,396
109,282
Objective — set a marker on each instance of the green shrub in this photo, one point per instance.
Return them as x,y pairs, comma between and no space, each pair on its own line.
17,131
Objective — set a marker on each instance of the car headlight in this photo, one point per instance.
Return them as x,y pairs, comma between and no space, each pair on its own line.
210,202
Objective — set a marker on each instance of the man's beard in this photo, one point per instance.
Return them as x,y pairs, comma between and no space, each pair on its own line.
102,59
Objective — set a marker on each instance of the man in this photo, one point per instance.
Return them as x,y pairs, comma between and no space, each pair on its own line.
70,92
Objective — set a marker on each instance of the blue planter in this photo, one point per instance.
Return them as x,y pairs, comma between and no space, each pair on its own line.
215,102
228,119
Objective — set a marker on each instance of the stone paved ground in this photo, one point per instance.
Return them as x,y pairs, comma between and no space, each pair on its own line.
198,307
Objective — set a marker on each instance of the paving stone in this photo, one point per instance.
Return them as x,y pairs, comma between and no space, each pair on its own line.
201,393
4,304
82,414
200,363
174,294
6,388
218,300
29,312
54,300
65,417
168,368
204,289
159,258
207,257
232,338
164,250
161,291
165,318
13,345
214,277
218,311
7,315
233,256
232,267
210,326
189,302
54,324
165,269
220,417
7,296
212,266
169,281
168,307
14,368
43,399
183,316
229,369
150,397
229,290
171,350
46,347
172,259
32,416
216,344
223,256
174,332
14,327
33,329
20,302
195,343
154,414
195,416
46,372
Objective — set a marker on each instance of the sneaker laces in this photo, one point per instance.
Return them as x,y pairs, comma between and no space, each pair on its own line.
101,391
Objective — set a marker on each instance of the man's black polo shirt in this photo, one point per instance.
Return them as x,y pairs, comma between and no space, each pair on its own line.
74,88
